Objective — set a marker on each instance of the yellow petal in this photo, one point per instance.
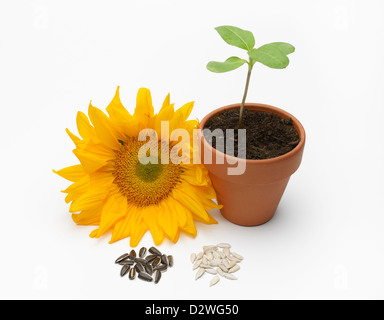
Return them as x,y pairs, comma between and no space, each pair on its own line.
72,173
105,132
175,122
165,114
167,101
168,222
210,204
193,204
86,130
92,198
139,229
208,190
190,125
116,105
144,108
101,179
124,227
76,140
93,156
90,161
94,233
149,215
87,217
193,175
115,208
77,189
189,226
125,123
204,195
186,110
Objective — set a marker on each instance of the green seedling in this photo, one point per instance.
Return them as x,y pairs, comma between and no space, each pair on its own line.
273,55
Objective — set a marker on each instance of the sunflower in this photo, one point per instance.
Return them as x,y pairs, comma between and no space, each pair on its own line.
115,191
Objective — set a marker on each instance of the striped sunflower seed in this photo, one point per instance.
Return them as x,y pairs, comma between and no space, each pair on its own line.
148,268
139,267
161,267
142,252
156,262
155,251
132,274
140,260
122,258
164,260
132,254
126,262
170,261
145,276
157,276
150,258
124,270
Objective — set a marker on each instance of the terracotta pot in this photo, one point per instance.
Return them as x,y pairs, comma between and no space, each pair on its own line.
252,198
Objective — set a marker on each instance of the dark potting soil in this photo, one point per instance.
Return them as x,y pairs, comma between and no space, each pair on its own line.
267,136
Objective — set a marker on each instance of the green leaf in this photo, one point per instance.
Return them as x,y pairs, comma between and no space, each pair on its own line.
237,37
271,56
285,47
230,64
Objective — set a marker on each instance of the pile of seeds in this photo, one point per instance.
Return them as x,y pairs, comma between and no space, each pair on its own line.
148,267
217,262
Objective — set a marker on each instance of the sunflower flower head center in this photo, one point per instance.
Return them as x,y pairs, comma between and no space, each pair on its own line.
143,184
149,172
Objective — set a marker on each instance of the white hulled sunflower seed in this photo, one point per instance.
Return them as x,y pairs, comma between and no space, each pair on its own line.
237,256
223,267
223,245
209,256
214,280
209,248
232,264
200,255
234,269
218,260
214,263
196,264
232,258
211,271
226,263
219,271
230,276
199,273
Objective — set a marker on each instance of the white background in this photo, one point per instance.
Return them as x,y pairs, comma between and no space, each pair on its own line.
326,240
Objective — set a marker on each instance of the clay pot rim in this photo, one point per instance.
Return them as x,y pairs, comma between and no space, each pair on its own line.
268,108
